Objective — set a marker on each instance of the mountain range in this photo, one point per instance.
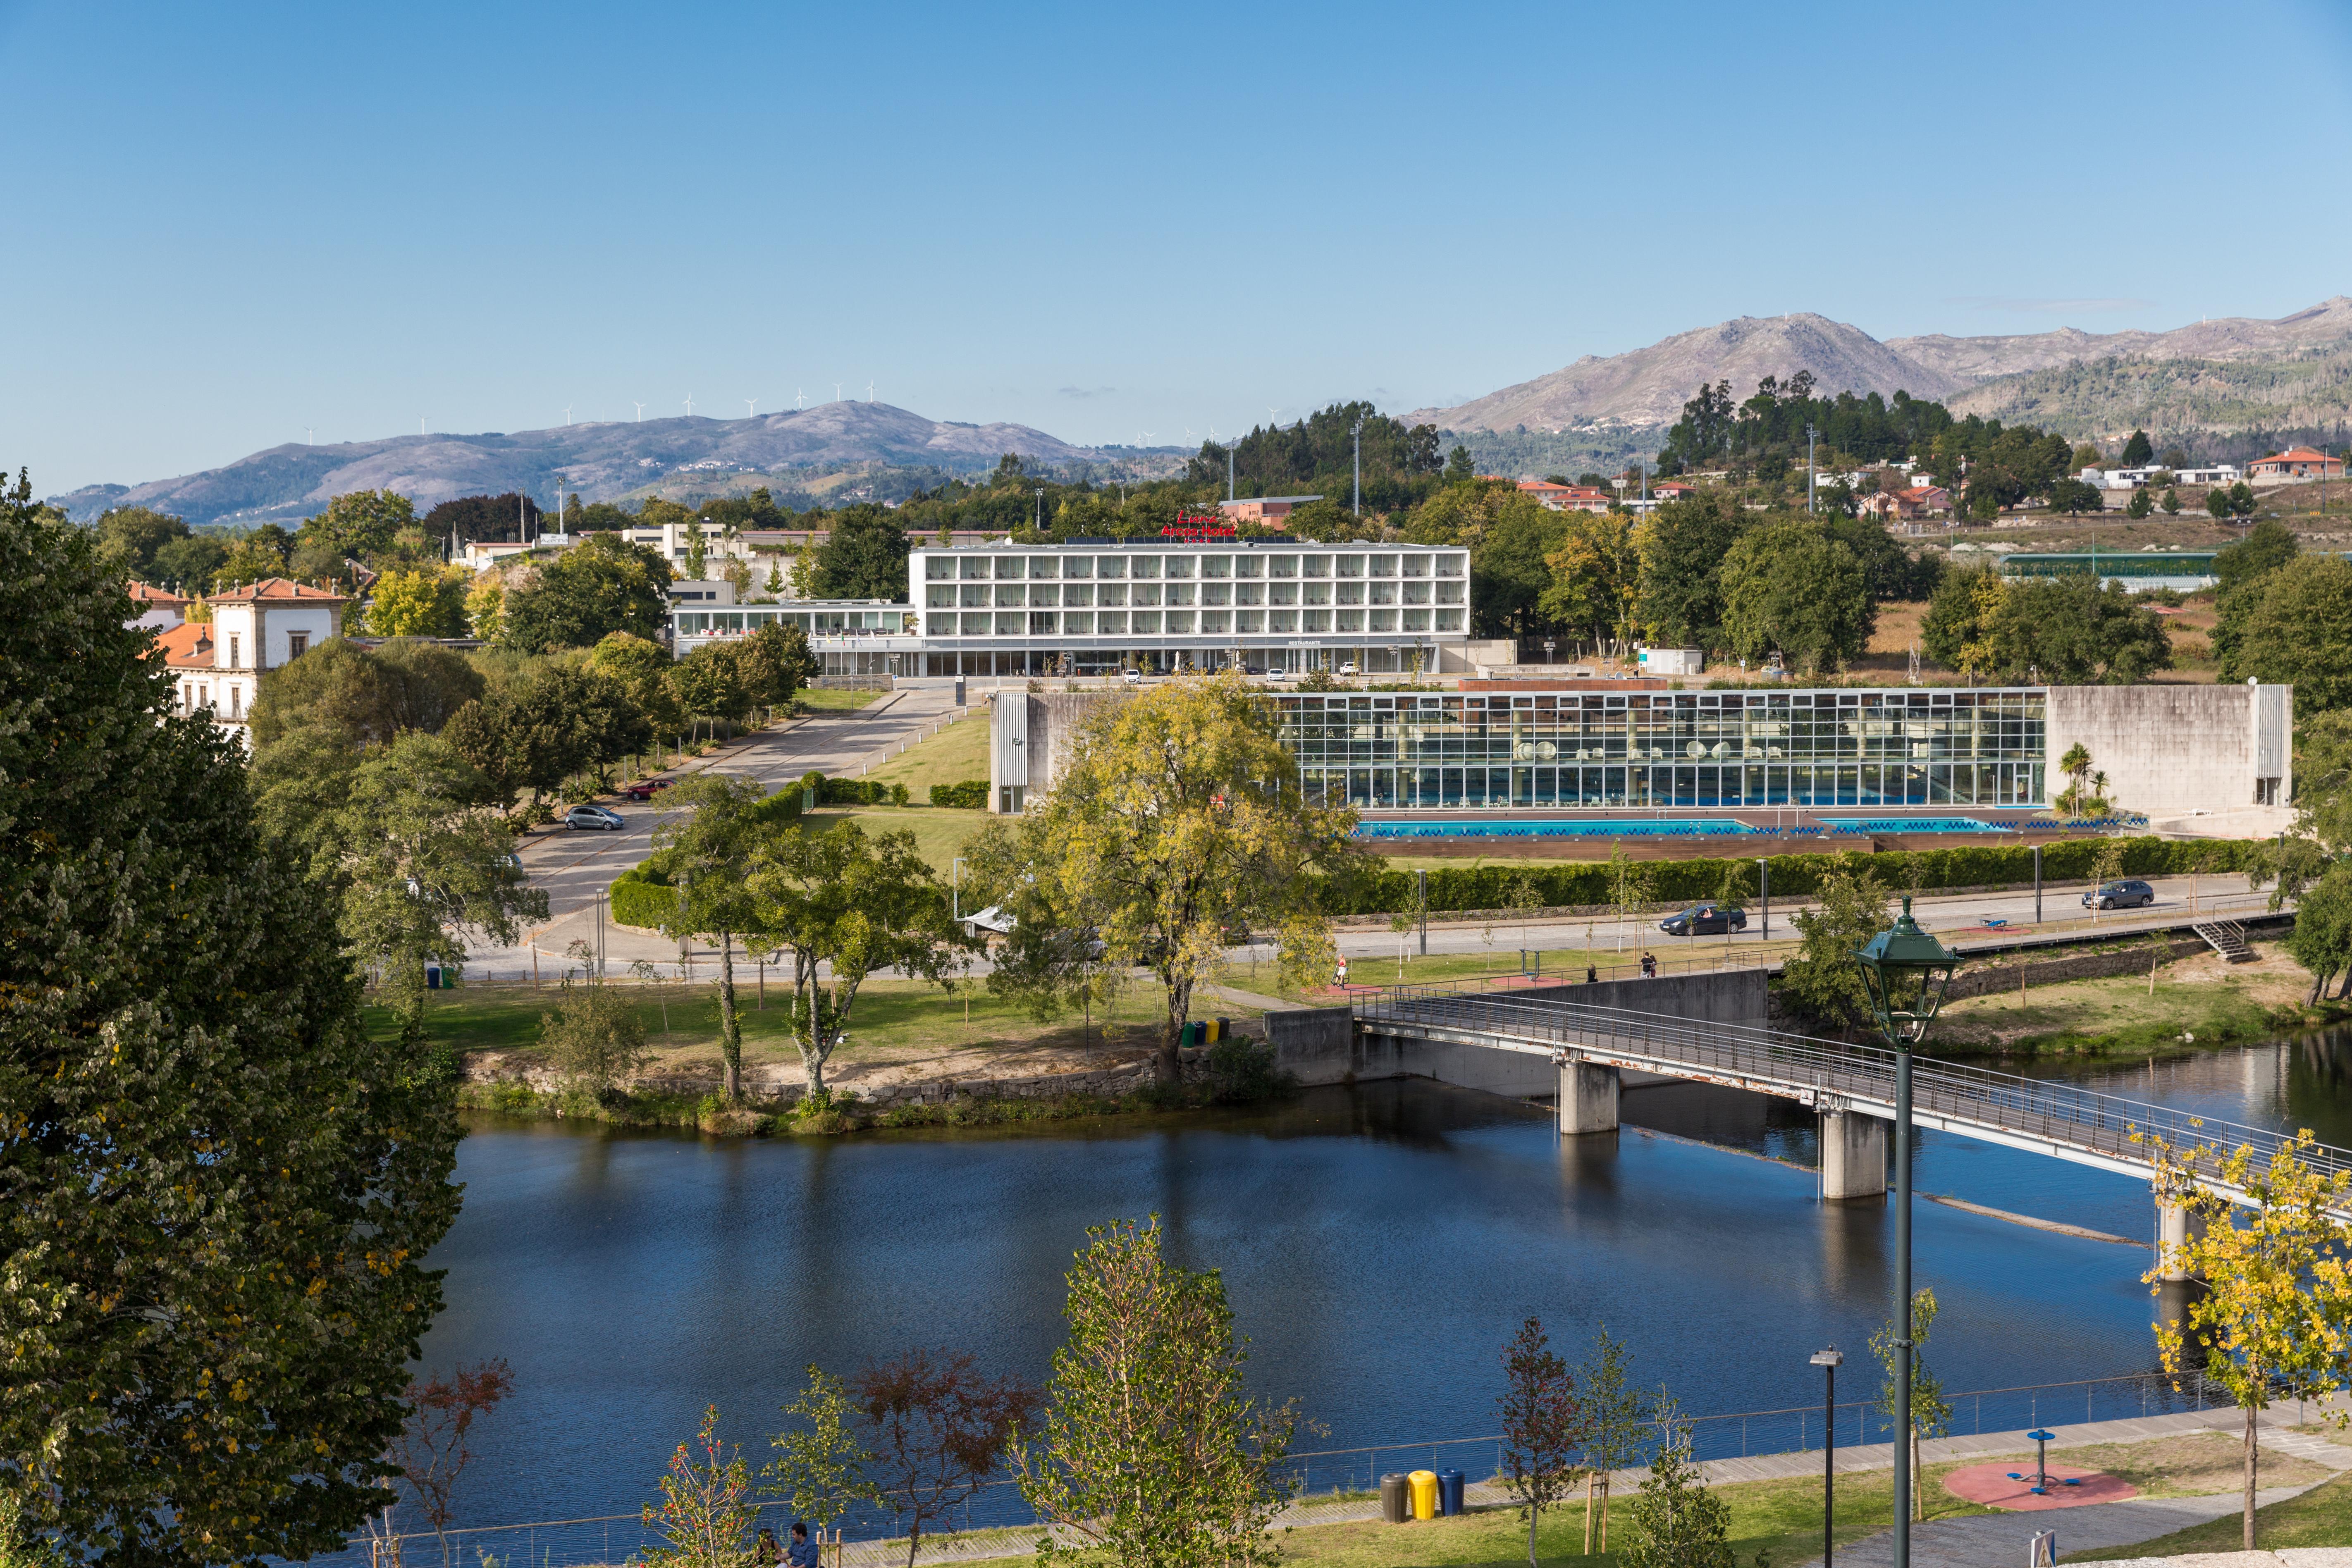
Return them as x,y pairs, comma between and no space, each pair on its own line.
2212,378
600,461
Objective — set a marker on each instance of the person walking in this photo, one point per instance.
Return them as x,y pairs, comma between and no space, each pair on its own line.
1649,965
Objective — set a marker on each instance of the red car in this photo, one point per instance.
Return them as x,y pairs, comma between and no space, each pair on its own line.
644,788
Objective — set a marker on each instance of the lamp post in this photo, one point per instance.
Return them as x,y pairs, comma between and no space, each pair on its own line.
1829,1360
1906,971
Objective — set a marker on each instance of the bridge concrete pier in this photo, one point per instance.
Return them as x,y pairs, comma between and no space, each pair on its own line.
2176,1226
1854,1155
1588,1097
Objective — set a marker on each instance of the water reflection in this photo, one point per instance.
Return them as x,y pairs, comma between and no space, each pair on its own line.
1379,1243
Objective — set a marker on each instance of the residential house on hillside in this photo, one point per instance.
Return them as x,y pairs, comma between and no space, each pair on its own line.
1921,500
1566,497
1263,509
2295,464
1673,489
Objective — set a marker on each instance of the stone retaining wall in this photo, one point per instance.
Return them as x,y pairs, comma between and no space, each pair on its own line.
1982,981
762,1085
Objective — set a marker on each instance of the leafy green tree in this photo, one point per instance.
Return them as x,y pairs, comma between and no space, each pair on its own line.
2086,456
2321,939
850,905
1958,631
2171,501
773,664
710,683
2141,505
820,1464
601,586
1676,1522
2077,631
2074,495
1508,533
130,537
1165,833
1543,1426
360,525
1823,981
1890,572
593,1038
192,562
2323,782
1931,1412
707,843
551,719
2300,633
254,557
2217,501
2138,451
486,606
1152,1451
425,603
365,697
219,1192
642,670
864,557
1596,578
2241,499
1617,1417
1789,586
472,518
422,862
1683,545
1459,470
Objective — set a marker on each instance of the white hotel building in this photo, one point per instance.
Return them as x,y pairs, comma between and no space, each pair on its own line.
1090,606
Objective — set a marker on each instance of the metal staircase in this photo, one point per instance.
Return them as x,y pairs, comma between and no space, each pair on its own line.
2227,938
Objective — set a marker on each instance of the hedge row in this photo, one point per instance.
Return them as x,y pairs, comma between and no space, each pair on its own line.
1555,886
642,896
969,793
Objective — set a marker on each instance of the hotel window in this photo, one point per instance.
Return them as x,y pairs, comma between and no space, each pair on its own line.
1384,593
1450,565
1111,593
1383,621
1281,592
1249,592
973,568
1416,620
1180,622
1043,566
1249,565
940,596
1110,565
1384,565
975,626
1216,565
1077,622
1046,593
1078,593
1282,620
1145,594
1216,593
1416,592
1009,623
1009,594
1315,566
1249,620
1143,566
942,626
1415,565
1111,623
975,596
1449,593
1319,593
1008,566
1079,566
1175,566
1350,567
1449,620
1281,565
1042,624
938,566
1351,620
1316,620
1179,593
1352,593
1215,620
1146,621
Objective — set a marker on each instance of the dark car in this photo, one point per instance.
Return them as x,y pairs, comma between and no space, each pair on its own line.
1704,920
2125,895
593,819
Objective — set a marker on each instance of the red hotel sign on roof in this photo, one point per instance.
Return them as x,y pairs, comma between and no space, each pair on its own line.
1190,525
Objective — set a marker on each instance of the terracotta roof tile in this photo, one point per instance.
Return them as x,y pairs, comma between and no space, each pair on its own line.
280,590
188,646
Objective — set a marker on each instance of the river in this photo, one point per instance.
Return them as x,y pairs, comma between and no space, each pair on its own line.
1379,1243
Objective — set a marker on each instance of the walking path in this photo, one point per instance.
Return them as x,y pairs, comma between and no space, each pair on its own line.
1970,1542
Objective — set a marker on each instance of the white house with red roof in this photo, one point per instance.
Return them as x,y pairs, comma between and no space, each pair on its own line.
255,628
2295,464
156,607
1566,497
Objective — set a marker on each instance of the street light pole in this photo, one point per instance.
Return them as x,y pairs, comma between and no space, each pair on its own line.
1829,1360
1360,466
1906,971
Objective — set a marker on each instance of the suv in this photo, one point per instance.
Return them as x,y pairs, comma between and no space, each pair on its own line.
593,818
1704,920
2125,895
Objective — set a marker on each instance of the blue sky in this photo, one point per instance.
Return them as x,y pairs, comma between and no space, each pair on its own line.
234,224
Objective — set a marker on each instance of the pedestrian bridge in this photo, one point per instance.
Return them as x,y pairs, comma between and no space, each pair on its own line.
1851,1086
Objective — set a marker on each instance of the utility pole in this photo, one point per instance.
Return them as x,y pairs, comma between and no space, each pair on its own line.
1229,470
1809,468
1041,511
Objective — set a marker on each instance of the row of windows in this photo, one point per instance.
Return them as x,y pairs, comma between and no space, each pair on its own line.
972,567
1187,623
1056,596
1862,784
816,623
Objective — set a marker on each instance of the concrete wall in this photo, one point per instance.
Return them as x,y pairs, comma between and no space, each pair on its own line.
2175,749
1729,996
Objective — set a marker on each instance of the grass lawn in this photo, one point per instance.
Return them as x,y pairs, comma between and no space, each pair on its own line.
816,700
2200,996
940,832
2320,1517
956,753
895,1020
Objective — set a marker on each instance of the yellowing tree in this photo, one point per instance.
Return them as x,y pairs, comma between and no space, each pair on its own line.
2273,1320
1596,577
1179,822
421,603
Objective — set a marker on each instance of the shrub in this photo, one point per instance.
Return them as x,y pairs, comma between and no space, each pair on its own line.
593,1038
642,896
971,795
1243,1070
898,795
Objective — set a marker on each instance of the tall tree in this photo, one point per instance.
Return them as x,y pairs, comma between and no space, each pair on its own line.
850,905
1178,818
512,516
2275,1319
1683,545
430,603
601,586
1152,1450
2138,450
1596,578
2077,631
705,843
1791,587
361,524
2300,633
1822,981
216,1193
864,557
131,537
935,1428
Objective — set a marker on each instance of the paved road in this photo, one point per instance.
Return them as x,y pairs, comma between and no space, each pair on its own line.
575,867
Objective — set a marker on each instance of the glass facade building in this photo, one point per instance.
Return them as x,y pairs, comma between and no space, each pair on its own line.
1449,750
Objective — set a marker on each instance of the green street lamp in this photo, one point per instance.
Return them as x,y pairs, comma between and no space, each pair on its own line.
1906,971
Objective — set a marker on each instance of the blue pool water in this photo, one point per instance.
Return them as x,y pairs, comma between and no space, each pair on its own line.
1912,825
1508,828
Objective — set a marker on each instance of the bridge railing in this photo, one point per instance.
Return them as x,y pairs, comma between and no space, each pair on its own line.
1813,1068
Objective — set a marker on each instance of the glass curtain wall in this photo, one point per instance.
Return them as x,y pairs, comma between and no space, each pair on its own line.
1582,749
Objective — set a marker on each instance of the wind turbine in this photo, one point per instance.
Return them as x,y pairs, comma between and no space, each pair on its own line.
836,392
799,397
689,406
311,435
751,408
870,392
641,411
420,425
567,414
1269,417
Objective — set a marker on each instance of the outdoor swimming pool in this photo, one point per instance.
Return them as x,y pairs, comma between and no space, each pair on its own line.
1670,827
1913,824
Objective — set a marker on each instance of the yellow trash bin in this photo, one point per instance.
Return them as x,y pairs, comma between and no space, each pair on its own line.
1424,1494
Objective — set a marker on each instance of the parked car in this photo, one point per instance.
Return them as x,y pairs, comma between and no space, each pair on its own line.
642,789
1132,676
593,818
1252,669
1704,920
1348,667
2130,894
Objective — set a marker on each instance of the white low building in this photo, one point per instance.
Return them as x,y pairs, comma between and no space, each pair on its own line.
218,664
